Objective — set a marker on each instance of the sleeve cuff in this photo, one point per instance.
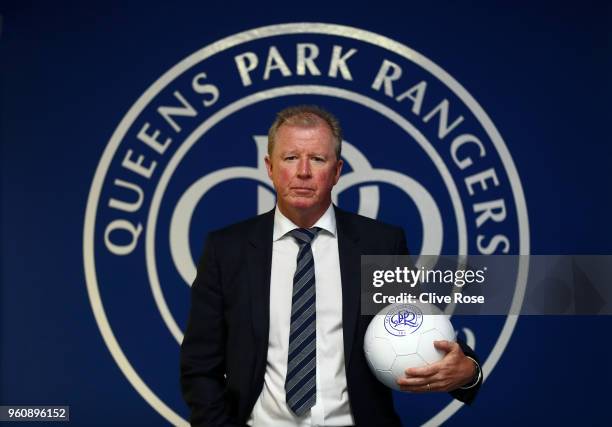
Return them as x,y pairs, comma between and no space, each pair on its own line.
478,376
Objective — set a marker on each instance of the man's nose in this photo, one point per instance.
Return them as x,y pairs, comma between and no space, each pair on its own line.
304,168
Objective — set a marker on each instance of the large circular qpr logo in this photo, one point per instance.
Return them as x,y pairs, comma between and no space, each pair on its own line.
187,158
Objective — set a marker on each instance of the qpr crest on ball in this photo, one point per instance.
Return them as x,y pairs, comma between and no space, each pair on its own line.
403,320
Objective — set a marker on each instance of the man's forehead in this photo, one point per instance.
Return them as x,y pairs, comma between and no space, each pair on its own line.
319,125
311,139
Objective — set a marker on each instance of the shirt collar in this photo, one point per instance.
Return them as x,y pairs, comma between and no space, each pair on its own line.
283,225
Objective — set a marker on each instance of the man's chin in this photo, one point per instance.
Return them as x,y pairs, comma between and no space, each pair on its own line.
302,203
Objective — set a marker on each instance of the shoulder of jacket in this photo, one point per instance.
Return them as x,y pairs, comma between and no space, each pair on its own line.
364,221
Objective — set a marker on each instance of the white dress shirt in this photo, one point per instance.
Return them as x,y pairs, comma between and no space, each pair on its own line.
332,405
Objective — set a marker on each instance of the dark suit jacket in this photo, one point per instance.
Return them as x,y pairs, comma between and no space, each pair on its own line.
223,355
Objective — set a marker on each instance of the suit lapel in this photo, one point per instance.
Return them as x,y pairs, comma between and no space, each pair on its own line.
259,262
350,268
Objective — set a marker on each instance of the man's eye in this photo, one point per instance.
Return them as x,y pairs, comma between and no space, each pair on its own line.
318,159
290,157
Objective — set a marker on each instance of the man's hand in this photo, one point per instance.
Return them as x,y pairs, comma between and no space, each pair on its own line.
453,371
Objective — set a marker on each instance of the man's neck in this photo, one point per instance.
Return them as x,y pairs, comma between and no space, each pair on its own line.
302,218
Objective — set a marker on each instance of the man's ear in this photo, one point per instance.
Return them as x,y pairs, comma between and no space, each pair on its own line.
339,164
268,165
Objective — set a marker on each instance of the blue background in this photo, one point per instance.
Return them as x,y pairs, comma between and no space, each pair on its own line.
70,71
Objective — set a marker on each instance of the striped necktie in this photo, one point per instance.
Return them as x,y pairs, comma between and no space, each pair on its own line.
300,382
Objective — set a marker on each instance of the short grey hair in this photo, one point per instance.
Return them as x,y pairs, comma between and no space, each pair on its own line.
306,116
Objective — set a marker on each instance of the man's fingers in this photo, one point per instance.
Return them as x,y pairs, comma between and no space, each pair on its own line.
423,371
444,345
414,381
418,388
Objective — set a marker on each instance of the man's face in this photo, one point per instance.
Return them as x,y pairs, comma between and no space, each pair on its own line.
303,168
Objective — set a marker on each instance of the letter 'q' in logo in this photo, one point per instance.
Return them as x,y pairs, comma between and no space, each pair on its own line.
188,158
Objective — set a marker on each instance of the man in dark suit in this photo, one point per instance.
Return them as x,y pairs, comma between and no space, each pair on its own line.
275,335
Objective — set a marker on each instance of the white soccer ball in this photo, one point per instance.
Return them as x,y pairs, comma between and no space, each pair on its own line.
401,336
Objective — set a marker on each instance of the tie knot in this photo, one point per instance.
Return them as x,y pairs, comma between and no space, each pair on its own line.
304,235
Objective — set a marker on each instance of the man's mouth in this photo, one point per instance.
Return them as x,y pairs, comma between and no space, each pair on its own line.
302,190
